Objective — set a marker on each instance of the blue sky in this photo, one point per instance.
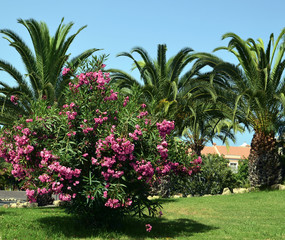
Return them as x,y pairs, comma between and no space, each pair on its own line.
118,26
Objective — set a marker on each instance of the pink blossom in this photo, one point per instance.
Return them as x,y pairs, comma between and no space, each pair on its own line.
147,121
14,99
64,197
165,127
31,195
72,104
113,203
26,131
93,160
126,101
148,227
65,71
142,114
105,194
112,97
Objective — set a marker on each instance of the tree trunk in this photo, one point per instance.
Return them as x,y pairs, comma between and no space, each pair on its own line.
197,147
264,162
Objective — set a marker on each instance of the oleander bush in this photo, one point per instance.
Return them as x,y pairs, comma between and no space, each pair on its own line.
7,180
101,152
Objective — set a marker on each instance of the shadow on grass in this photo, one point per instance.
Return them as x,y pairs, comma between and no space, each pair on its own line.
4,211
131,227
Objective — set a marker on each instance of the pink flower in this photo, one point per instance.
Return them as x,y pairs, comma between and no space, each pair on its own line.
26,131
103,65
148,227
126,101
94,160
14,99
72,104
165,127
147,121
29,120
105,194
143,106
142,114
65,71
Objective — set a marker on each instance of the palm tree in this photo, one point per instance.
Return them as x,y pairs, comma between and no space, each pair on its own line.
43,65
206,123
163,84
257,89
187,98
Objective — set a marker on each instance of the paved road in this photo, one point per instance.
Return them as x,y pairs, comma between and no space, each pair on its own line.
18,195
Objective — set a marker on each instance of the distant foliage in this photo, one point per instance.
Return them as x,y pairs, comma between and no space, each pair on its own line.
241,176
215,175
174,184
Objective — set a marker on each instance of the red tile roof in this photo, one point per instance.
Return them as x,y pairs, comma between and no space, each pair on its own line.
230,152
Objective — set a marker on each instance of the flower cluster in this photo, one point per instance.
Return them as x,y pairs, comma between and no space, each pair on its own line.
14,99
165,127
162,149
50,172
148,227
65,71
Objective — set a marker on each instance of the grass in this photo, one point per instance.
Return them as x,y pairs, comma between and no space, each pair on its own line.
258,215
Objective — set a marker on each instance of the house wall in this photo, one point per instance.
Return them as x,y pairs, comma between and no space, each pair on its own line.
233,164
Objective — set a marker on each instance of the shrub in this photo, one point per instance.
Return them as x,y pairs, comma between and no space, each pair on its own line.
101,151
214,176
242,175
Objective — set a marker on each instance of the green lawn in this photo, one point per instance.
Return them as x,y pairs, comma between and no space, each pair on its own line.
259,215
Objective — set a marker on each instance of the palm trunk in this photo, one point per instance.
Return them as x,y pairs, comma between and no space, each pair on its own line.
264,163
197,146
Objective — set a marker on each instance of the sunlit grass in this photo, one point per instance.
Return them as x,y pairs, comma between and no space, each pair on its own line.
257,215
